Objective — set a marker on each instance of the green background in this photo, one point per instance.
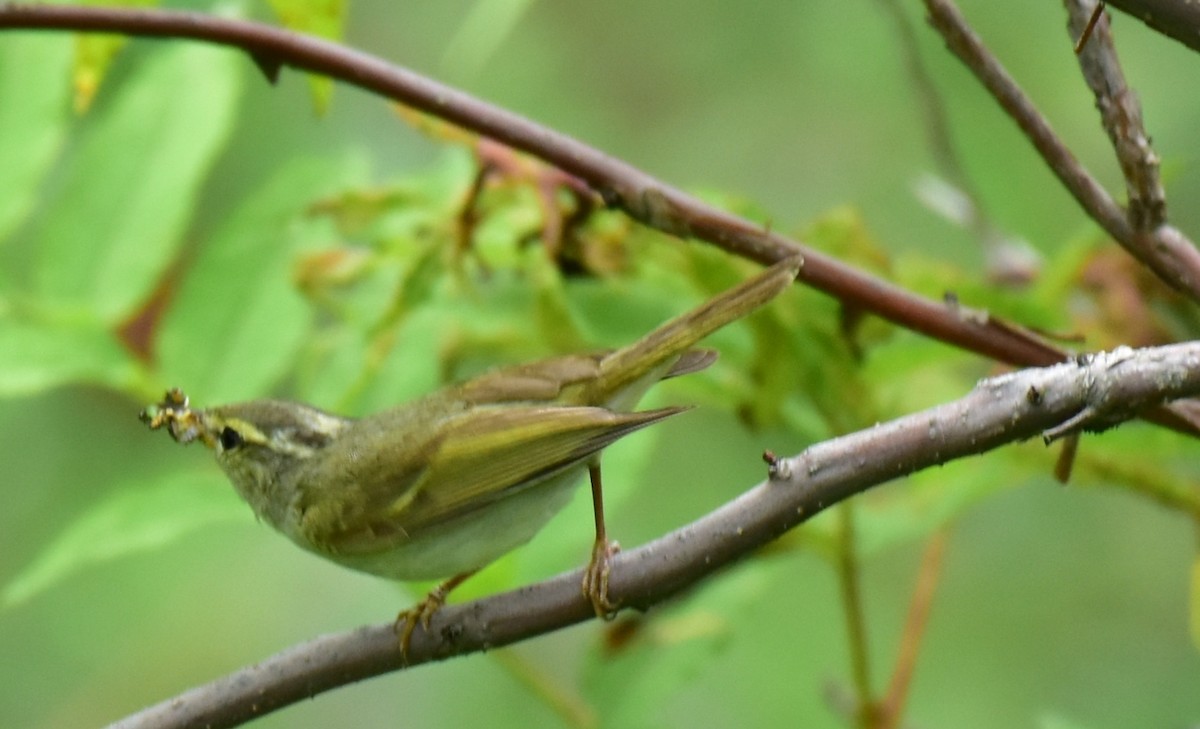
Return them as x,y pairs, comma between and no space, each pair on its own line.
1058,607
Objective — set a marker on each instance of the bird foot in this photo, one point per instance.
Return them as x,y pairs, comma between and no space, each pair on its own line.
595,579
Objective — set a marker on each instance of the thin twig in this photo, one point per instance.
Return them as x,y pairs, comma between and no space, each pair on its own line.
892,707
1089,27
1167,252
1004,266
1121,115
1000,410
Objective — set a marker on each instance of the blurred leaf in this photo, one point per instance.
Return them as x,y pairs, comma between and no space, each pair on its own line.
440,291
942,280
94,53
408,213
912,372
33,69
41,356
1116,300
330,363
823,385
509,216
400,342
486,26
842,232
322,18
138,518
556,322
238,318
129,188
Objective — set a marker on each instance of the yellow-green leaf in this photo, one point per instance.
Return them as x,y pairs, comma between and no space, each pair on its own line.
94,54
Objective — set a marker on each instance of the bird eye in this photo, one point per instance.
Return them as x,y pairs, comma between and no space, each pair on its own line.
230,438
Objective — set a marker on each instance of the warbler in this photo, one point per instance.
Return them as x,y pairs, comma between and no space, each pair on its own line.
444,485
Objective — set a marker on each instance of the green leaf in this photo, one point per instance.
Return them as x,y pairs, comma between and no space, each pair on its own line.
484,28
95,52
33,70
842,232
399,355
127,192
138,518
235,325
38,357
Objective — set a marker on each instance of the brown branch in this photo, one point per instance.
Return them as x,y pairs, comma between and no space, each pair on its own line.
618,184
1107,387
1178,19
1166,251
1121,115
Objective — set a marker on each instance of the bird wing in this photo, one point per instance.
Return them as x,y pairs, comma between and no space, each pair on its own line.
490,455
470,461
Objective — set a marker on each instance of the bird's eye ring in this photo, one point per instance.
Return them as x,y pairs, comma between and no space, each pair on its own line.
230,438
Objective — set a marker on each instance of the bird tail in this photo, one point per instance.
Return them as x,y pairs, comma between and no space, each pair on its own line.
663,347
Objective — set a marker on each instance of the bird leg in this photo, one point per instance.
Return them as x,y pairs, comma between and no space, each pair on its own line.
595,578
422,612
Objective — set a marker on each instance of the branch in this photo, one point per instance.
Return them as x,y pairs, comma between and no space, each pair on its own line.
618,184
1166,251
1121,115
1090,393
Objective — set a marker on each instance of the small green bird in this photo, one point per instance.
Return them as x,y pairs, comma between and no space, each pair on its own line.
442,486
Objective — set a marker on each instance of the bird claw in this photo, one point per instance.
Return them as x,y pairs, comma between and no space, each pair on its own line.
595,579
422,612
